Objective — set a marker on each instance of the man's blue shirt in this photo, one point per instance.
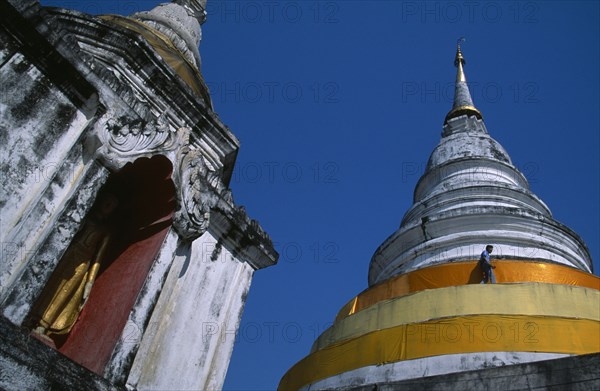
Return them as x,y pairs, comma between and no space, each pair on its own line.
485,258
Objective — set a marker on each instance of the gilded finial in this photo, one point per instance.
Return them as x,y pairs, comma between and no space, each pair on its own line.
459,57
463,103
459,61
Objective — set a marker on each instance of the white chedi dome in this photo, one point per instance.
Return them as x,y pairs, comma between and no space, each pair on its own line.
471,195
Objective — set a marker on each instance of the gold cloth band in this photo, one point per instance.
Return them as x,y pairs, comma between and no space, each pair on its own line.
454,274
463,334
166,49
532,299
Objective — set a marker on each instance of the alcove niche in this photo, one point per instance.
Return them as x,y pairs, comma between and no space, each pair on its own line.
145,197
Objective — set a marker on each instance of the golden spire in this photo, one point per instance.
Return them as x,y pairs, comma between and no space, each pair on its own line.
463,103
459,61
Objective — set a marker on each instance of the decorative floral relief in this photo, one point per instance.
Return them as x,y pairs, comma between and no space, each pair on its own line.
200,189
136,137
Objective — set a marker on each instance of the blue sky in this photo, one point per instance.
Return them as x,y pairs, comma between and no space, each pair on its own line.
338,105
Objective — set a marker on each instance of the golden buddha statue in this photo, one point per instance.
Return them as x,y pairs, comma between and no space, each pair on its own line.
69,287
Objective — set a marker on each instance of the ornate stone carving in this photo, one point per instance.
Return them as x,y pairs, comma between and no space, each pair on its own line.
139,136
124,138
200,189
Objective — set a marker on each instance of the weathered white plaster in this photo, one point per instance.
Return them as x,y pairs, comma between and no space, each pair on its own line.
463,235
183,347
471,195
475,196
429,366
22,143
31,230
467,172
102,97
179,25
466,136
41,169
35,266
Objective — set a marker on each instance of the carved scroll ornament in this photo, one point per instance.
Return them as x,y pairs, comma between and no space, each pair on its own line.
124,137
200,190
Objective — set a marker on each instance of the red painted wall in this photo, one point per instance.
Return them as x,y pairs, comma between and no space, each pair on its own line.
146,204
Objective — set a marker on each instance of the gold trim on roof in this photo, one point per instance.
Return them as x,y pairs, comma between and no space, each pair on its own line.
463,110
187,71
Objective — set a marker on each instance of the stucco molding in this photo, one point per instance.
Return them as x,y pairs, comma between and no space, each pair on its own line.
124,139
199,190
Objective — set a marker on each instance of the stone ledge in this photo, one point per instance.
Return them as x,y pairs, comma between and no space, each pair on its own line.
28,364
577,373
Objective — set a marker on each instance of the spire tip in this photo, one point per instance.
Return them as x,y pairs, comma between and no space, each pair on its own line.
459,57
463,103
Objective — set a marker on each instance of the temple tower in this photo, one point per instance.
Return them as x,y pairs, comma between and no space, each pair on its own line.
124,256
425,312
